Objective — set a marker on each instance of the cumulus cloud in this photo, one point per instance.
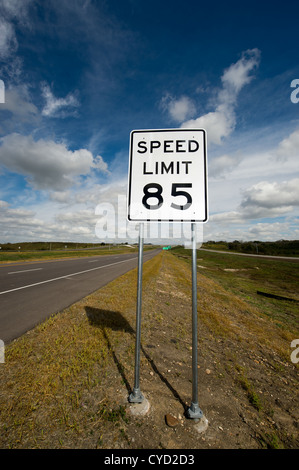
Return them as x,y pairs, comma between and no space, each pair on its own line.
11,10
58,107
73,216
85,218
13,14
18,102
18,220
47,164
221,122
270,231
272,195
224,164
63,197
288,147
18,112
218,124
70,226
262,200
178,109
238,74
8,41
16,9
257,231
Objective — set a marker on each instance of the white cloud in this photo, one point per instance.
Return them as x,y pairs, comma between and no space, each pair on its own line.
72,217
272,195
178,109
63,197
3,205
8,41
288,147
221,122
231,176
85,218
247,188
18,102
238,74
271,231
16,9
69,226
263,200
47,164
11,10
224,164
263,231
58,107
15,221
218,124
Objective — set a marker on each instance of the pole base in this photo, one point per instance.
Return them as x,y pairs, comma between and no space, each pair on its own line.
136,396
194,412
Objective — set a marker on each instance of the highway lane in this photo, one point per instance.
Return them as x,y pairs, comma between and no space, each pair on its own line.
30,292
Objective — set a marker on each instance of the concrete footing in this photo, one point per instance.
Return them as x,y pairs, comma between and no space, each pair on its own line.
139,409
201,424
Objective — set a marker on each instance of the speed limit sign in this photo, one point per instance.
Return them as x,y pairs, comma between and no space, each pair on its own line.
168,176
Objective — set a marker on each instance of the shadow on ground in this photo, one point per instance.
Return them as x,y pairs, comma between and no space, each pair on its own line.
110,320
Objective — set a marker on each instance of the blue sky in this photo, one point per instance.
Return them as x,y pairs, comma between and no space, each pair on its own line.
80,75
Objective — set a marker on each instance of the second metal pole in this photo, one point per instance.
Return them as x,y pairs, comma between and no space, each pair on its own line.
194,411
136,396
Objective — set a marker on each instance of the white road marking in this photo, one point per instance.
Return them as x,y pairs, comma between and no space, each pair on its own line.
25,271
97,260
66,276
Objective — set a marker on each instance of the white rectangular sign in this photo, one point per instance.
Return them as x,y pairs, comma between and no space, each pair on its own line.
168,176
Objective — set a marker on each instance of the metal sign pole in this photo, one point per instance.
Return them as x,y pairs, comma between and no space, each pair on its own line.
136,396
194,411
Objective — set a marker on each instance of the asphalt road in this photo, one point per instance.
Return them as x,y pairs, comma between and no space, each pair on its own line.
30,292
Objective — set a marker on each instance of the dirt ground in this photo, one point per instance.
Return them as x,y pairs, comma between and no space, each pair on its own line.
248,394
247,383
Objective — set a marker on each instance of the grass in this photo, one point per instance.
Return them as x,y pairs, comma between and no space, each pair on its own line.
59,382
278,248
244,276
253,397
10,256
52,377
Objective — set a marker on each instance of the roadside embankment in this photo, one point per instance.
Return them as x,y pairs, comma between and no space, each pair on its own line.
65,384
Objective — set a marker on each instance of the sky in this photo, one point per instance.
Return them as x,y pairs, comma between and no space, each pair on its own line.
77,76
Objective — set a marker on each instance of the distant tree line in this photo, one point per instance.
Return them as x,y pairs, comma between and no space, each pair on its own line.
280,247
47,246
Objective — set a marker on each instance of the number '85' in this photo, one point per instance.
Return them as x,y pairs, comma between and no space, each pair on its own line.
154,190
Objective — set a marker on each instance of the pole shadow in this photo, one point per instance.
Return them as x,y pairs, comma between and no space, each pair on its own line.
108,319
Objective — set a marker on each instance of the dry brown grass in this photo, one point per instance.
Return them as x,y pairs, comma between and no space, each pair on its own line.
61,383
